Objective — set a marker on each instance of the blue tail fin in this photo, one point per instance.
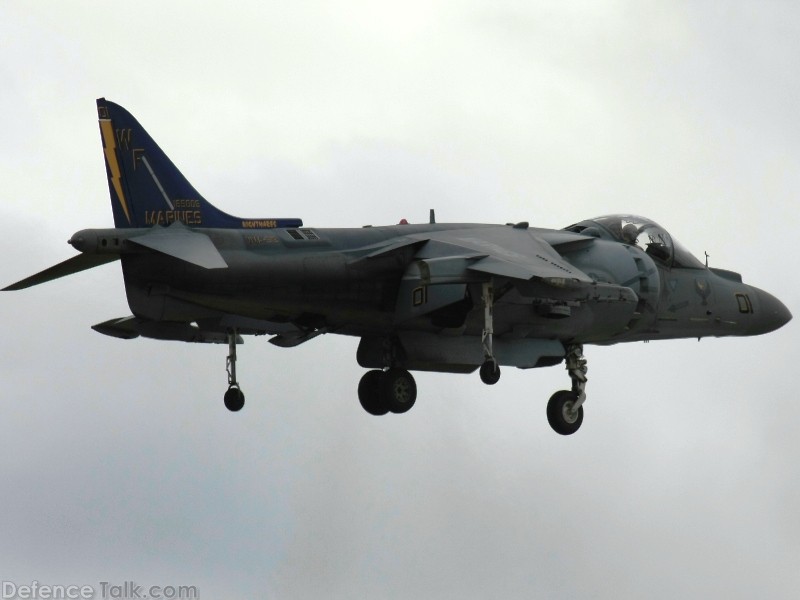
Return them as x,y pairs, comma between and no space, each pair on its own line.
147,189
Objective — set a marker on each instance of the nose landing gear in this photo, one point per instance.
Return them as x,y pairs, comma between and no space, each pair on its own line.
565,407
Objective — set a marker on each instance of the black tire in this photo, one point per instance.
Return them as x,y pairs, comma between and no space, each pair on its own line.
234,399
370,393
490,372
399,390
562,419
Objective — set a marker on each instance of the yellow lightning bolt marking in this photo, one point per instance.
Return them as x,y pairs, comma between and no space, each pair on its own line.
109,145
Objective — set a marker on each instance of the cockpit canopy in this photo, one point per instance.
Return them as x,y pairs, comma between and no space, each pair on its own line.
644,233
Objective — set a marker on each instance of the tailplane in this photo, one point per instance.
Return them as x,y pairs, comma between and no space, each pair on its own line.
147,189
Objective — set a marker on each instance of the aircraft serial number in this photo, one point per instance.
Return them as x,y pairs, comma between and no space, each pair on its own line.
182,203
260,240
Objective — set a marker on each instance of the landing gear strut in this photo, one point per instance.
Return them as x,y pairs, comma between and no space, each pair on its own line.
234,397
393,390
490,370
565,407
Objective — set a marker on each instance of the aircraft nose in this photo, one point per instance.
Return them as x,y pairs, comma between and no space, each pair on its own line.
771,313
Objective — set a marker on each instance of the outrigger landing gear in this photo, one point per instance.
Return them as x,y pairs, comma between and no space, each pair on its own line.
234,397
565,408
393,390
490,370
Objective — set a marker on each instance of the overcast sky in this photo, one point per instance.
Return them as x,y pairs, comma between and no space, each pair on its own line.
118,460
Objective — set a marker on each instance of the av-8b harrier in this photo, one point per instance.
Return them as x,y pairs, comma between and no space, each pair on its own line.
452,298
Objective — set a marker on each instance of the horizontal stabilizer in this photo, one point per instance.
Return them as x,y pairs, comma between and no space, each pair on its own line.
76,264
186,245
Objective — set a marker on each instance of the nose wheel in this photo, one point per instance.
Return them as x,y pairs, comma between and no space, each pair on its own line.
565,407
562,414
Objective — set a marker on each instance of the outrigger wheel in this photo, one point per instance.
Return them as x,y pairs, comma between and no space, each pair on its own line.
234,399
490,372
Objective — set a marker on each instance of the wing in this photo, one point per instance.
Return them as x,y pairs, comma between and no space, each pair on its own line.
511,252
445,262
503,251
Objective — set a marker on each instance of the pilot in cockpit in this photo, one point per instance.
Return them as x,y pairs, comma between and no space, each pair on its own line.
629,234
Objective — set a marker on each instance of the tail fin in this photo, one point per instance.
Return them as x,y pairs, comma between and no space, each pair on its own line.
147,189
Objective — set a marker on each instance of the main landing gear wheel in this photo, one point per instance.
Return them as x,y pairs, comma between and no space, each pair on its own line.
234,399
562,415
370,393
490,372
400,390
381,392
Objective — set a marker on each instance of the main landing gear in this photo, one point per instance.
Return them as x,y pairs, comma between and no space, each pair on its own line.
234,397
393,390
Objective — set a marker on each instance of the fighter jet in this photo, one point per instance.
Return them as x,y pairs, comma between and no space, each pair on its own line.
451,298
